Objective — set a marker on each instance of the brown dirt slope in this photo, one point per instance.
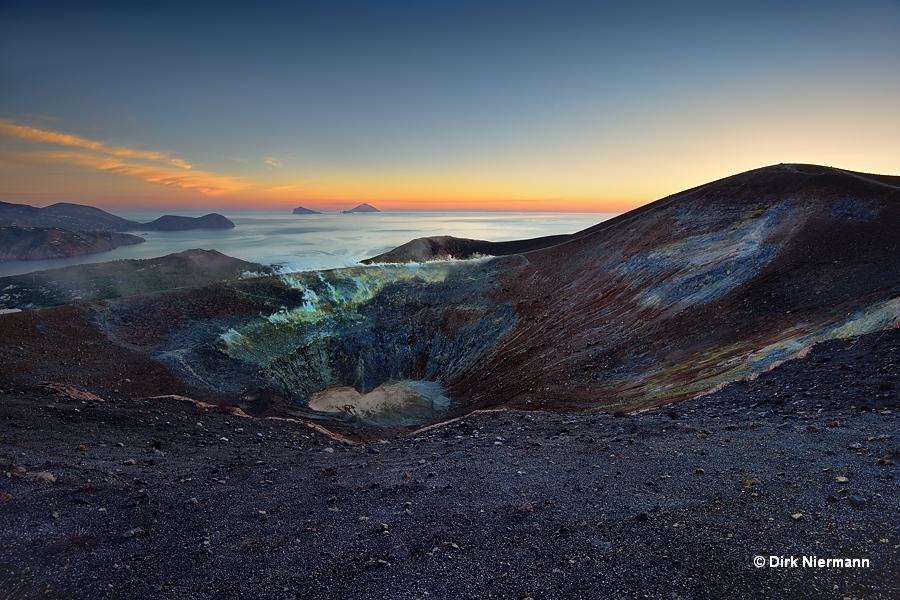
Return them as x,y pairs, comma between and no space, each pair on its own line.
690,291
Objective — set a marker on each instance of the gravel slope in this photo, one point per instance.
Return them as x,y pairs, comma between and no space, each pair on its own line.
160,498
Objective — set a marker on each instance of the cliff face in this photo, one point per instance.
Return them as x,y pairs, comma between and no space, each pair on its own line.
663,303
38,243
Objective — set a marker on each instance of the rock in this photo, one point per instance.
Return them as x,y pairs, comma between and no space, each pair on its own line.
841,479
136,532
362,208
601,544
304,211
641,517
796,516
856,501
43,477
130,462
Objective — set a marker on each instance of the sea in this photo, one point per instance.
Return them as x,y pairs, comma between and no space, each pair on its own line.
294,243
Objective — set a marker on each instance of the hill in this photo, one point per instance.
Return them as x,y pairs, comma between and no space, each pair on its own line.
64,215
114,279
39,243
179,223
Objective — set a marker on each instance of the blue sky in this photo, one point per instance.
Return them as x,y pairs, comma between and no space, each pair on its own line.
496,105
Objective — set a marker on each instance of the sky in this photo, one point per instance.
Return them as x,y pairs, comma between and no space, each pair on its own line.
435,105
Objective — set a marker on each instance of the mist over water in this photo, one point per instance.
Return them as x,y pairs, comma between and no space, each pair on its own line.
327,241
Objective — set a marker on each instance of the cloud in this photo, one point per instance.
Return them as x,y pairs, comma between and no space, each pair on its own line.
273,161
148,165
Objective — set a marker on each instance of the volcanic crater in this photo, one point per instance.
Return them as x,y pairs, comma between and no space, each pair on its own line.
672,300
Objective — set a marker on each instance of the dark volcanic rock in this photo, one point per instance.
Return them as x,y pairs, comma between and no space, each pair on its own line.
74,217
447,247
304,211
38,243
163,498
178,223
362,208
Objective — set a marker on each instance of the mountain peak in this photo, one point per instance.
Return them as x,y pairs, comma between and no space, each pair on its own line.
362,208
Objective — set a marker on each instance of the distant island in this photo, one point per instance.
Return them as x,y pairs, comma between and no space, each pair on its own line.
304,211
74,217
64,230
78,217
362,208
176,223
39,243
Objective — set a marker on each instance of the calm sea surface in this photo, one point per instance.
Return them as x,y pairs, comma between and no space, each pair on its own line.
327,241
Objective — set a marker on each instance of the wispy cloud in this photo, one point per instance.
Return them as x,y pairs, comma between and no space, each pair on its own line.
148,165
269,160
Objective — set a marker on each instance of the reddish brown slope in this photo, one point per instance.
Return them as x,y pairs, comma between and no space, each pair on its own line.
675,297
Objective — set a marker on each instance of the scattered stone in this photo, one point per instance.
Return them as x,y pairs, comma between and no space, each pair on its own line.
841,479
601,544
796,516
43,477
856,501
130,462
329,450
81,448
136,532
641,517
